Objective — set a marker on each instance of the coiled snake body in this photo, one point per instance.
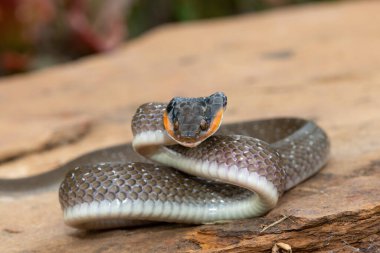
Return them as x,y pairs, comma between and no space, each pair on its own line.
238,173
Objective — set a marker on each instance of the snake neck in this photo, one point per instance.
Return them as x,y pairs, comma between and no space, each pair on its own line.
249,164
149,143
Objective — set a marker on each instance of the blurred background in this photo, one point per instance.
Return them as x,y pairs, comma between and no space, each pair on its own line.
40,33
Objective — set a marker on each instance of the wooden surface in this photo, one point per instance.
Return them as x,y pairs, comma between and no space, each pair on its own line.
316,61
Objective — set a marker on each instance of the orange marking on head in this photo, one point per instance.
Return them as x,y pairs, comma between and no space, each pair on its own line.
215,123
167,124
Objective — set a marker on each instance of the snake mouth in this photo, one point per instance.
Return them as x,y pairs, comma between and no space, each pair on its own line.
189,144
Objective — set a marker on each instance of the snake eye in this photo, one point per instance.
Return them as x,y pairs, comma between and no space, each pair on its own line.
176,125
204,125
170,106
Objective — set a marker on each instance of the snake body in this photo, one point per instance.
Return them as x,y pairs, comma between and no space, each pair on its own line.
239,172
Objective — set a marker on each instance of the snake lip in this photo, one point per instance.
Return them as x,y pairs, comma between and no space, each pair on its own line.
190,144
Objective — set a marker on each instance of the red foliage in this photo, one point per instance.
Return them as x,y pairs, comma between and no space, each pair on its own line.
27,27
102,33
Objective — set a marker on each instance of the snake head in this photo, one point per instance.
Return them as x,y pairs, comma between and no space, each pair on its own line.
189,121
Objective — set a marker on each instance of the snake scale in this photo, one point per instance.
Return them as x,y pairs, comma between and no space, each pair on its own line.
239,172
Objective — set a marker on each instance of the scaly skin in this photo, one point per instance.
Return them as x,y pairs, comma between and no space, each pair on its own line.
251,174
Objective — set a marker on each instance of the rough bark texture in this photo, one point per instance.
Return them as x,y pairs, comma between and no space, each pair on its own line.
316,61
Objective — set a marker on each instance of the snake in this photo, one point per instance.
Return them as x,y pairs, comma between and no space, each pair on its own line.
184,166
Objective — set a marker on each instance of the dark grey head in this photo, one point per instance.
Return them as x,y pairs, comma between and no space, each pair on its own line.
189,121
